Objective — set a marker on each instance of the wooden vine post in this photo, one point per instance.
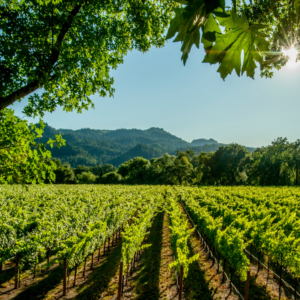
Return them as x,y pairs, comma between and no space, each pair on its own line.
224,266
74,284
180,282
92,261
17,273
247,285
120,289
48,257
65,277
84,268
280,274
295,294
34,272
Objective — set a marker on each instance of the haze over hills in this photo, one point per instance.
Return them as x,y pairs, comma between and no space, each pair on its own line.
94,146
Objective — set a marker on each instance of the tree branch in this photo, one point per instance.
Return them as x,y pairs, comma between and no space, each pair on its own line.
20,93
35,84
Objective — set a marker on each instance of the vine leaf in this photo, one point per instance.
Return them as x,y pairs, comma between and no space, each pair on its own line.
239,37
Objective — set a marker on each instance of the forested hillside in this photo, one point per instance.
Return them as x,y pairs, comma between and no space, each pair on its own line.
92,147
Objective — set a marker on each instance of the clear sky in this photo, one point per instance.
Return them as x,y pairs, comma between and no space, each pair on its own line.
155,90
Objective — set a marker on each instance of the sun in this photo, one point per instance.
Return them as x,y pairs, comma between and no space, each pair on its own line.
292,54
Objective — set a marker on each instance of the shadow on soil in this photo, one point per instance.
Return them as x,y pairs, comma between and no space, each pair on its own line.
41,288
147,286
195,286
6,275
99,279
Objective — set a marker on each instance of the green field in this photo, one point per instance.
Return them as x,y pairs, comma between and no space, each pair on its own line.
85,231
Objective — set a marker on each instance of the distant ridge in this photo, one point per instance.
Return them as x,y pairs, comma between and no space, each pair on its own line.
140,150
94,146
202,142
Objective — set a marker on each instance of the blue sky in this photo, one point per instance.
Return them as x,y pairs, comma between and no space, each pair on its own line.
155,90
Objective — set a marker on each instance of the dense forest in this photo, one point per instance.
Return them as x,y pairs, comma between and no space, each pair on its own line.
93,147
277,164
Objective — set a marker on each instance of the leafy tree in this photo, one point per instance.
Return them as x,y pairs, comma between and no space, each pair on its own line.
157,172
238,37
294,161
86,177
22,159
96,170
80,169
63,173
203,171
271,164
108,168
135,170
111,178
225,166
181,171
138,169
69,47
123,169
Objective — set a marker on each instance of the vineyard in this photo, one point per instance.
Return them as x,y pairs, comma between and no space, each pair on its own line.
149,242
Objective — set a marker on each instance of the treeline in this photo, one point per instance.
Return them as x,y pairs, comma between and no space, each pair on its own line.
277,164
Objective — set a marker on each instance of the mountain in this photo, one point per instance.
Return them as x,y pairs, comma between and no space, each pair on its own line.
91,147
202,142
140,150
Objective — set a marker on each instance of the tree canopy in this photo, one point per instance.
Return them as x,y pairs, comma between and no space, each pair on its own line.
22,158
68,48
240,37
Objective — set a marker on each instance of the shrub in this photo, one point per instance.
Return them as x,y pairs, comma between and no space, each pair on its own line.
87,177
112,177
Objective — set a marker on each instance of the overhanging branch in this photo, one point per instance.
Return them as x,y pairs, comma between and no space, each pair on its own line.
34,85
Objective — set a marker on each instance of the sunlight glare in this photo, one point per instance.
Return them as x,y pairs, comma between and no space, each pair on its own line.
292,54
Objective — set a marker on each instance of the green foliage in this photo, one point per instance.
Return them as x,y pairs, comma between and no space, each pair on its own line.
228,242
256,31
179,236
135,170
69,48
276,164
63,173
108,168
22,159
110,178
71,220
239,38
181,171
135,232
233,218
86,177
226,166
74,221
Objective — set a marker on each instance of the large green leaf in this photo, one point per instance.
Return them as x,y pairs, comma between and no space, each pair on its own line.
210,29
186,24
239,41
188,21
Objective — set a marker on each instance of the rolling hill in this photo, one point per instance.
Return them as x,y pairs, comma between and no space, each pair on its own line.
93,146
